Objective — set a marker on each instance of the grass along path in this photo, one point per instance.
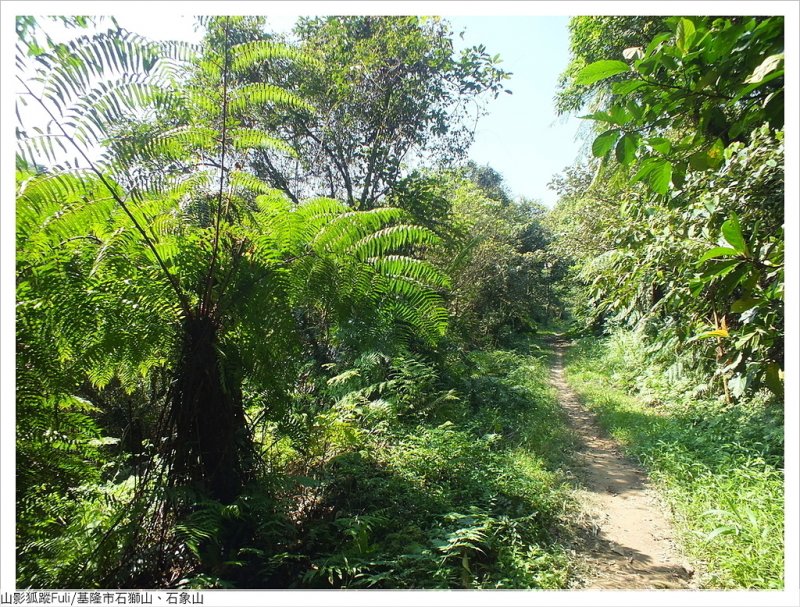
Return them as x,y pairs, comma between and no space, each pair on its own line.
628,542
719,468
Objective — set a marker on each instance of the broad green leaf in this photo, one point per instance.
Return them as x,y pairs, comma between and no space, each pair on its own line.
626,148
718,252
657,172
699,161
619,115
600,70
645,168
770,64
773,379
660,177
657,41
732,232
604,142
715,154
679,174
669,62
721,268
598,116
744,304
628,86
684,35
660,144
711,157
774,107
635,110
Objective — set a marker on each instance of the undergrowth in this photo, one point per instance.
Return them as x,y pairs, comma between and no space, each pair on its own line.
719,466
395,472
469,498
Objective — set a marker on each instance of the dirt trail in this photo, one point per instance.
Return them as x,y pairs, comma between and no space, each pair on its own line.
627,541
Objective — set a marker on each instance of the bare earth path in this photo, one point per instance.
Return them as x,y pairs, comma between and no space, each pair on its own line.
628,543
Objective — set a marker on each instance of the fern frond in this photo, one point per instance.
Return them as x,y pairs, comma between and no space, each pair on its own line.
115,245
201,101
275,203
409,268
177,50
101,108
391,239
191,138
341,232
68,203
248,54
70,68
274,224
246,139
428,322
185,185
47,146
321,207
252,95
299,228
250,183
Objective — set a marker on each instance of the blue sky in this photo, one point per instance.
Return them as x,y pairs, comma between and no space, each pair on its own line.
522,137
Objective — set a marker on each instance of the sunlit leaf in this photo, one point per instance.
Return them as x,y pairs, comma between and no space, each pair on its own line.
600,70
604,142
769,64
732,232
718,252
684,35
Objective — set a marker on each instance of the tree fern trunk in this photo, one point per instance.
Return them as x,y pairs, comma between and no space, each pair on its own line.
210,434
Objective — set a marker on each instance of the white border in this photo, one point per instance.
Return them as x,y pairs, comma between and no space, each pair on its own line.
790,596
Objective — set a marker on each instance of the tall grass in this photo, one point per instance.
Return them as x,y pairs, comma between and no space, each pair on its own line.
719,467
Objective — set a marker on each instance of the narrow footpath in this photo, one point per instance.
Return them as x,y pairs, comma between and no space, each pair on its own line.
627,541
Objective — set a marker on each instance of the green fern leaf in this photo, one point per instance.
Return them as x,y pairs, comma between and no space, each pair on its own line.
249,54
252,95
246,139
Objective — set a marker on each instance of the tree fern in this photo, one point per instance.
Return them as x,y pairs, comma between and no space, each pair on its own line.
165,251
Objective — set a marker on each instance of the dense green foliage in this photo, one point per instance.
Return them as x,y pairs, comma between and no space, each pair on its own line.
596,39
414,483
205,365
697,229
